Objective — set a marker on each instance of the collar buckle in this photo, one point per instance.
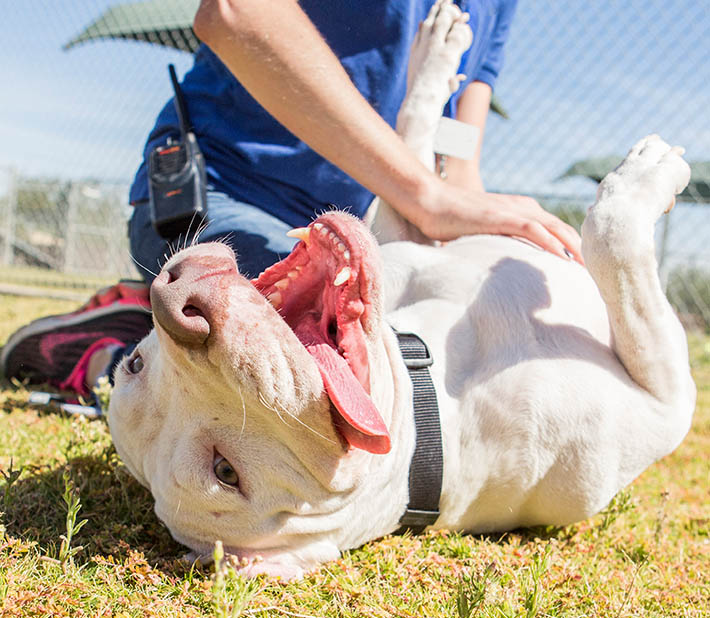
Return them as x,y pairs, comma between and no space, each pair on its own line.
415,352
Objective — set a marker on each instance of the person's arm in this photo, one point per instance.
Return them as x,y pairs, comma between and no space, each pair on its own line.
472,107
280,58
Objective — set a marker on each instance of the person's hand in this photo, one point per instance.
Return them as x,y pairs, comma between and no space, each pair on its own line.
455,212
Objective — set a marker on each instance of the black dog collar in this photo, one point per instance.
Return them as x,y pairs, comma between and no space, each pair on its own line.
426,470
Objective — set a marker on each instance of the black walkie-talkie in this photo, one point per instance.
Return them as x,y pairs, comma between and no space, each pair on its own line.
177,179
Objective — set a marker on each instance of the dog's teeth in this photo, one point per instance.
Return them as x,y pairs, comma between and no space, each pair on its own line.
292,274
346,255
275,299
342,276
302,233
317,227
282,284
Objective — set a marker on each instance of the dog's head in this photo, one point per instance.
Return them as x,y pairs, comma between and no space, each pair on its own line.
246,408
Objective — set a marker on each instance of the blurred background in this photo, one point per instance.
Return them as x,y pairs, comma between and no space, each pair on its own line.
83,80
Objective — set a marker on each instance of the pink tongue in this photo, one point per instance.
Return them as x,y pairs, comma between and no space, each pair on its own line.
362,425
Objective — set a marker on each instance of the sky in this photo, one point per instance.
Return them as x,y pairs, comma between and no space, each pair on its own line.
581,79
81,113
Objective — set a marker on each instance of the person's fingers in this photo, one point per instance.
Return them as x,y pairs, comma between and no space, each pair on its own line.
541,236
529,208
531,230
566,234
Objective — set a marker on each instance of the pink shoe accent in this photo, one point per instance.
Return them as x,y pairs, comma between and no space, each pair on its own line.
77,378
52,340
124,293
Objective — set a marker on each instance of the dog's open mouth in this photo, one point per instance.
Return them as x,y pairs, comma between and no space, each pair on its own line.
322,292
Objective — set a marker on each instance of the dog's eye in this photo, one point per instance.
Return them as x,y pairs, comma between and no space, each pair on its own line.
135,364
225,472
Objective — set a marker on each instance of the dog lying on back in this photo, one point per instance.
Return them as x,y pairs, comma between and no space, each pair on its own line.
275,415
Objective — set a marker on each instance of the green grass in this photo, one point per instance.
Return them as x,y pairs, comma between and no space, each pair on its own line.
34,276
647,554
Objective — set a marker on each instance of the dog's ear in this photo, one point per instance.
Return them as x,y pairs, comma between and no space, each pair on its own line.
357,418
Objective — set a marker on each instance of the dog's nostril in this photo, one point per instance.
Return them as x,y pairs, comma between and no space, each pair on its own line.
191,311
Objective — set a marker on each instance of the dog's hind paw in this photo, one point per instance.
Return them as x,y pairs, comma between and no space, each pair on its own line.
653,172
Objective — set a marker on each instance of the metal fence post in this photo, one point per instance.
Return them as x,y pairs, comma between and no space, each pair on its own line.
71,235
662,250
10,218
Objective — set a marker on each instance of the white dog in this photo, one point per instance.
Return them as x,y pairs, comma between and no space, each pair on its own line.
275,415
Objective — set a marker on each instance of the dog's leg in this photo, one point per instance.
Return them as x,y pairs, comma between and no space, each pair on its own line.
597,424
432,76
431,79
618,248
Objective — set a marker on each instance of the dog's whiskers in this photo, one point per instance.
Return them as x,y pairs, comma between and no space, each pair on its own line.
244,415
145,268
189,227
273,409
226,238
200,229
295,418
313,431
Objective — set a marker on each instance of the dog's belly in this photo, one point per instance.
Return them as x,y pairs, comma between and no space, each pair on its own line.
517,334
509,288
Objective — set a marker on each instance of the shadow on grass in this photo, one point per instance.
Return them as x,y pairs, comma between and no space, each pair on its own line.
120,517
118,510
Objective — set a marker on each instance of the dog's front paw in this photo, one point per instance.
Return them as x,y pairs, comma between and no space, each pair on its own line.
436,52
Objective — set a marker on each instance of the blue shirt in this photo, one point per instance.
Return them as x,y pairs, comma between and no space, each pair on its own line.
252,158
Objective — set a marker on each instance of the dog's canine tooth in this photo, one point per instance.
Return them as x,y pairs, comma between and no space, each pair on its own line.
302,233
342,276
275,299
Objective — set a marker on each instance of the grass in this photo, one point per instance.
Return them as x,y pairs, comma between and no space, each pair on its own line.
34,276
78,538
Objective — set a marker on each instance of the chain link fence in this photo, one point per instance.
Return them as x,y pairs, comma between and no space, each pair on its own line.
582,82
62,226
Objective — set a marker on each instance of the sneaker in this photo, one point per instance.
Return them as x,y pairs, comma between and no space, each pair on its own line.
56,349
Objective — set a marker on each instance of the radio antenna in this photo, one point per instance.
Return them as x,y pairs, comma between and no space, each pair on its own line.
180,105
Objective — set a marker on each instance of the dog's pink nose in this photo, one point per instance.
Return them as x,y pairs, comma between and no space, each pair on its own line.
185,296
